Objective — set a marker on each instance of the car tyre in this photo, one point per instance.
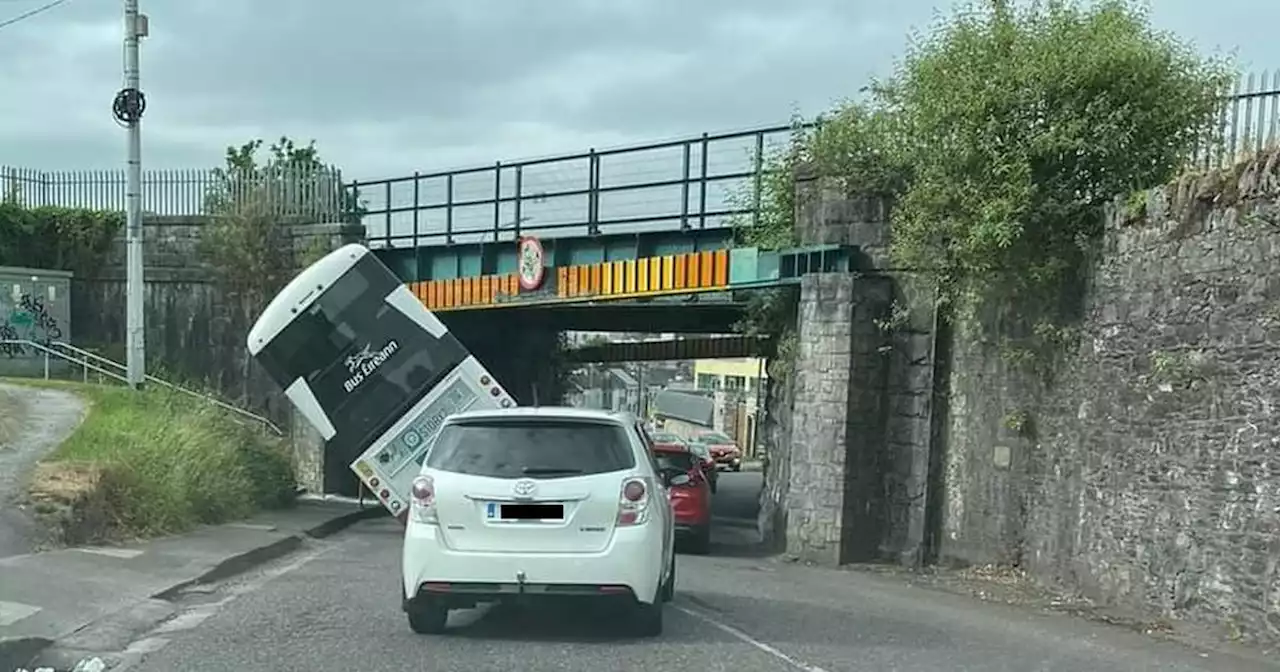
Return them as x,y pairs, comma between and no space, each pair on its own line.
428,618
669,586
700,542
737,467
648,619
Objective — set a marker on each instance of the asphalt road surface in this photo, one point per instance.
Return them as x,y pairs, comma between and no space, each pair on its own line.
334,607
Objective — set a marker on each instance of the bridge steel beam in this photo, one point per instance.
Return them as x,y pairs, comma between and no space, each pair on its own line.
688,348
651,278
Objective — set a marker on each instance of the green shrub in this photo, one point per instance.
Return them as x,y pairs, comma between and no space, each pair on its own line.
176,461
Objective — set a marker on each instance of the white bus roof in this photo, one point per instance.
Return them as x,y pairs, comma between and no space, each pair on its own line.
300,292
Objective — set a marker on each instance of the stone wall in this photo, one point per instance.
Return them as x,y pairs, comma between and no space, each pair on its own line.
1147,476
888,402
195,333
835,509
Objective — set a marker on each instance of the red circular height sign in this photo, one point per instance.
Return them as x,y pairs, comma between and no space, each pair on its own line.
530,259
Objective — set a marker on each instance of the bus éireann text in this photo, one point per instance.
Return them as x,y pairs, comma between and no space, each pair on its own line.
369,367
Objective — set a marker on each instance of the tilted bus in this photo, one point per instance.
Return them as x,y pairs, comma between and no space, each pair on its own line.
369,367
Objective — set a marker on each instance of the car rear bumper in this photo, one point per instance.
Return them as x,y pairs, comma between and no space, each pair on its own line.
630,566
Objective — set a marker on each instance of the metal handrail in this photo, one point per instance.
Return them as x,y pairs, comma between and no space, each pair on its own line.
84,361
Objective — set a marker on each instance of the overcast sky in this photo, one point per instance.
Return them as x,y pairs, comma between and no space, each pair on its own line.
387,87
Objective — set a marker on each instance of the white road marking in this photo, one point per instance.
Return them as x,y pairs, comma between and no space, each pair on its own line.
12,612
748,639
124,553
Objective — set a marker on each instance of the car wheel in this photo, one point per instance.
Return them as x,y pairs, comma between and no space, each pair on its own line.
737,467
700,544
428,617
648,619
669,586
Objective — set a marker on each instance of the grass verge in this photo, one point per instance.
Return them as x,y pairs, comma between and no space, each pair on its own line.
157,462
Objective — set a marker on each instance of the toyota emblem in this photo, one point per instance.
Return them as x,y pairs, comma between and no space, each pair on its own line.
525,487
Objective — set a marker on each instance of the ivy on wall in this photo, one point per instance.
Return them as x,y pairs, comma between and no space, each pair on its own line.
63,239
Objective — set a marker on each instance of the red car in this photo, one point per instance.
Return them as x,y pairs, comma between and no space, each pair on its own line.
723,449
690,494
673,441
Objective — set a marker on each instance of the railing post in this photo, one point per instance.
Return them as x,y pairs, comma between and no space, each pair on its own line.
387,195
497,201
46,365
593,192
759,181
448,209
684,187
702,197
519,189
416,192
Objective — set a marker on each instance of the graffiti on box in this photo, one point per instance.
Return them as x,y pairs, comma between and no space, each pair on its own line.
26,320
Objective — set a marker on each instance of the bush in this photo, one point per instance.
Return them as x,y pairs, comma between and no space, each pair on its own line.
1000,137
174,461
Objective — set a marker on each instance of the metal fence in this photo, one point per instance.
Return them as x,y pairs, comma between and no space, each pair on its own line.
704,181
698,182
1248,122
310,192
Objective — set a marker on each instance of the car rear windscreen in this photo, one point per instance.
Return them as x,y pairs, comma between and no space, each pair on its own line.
531,448
670,461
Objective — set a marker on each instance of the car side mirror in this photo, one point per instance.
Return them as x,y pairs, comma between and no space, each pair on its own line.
679,479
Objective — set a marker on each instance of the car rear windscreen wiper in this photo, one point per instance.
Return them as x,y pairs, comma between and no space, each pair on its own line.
550,471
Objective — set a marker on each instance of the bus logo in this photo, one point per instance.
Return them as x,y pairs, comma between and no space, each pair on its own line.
364,362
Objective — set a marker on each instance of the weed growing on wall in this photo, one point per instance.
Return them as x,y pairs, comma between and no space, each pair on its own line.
253,208
999,139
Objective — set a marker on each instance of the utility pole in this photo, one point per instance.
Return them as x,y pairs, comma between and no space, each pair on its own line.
128,107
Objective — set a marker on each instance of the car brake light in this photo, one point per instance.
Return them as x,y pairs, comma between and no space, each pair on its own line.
633,502
423,493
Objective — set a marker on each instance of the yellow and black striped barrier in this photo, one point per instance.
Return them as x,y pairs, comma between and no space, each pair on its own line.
610,280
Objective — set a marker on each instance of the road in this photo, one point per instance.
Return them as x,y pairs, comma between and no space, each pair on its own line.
334,607
45,419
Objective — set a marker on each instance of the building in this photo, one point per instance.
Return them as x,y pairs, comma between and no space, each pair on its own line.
738,374
610,389
737,389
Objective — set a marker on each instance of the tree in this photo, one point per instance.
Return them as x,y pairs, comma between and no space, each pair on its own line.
253,206
1016,126
1004,131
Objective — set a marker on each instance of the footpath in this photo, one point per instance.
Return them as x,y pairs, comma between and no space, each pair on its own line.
58,597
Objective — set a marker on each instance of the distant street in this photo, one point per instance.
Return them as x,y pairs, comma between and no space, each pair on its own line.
334,607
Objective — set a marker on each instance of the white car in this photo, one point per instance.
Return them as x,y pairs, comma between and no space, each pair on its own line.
530,503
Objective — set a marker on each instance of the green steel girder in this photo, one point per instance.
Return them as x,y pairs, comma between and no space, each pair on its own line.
459,260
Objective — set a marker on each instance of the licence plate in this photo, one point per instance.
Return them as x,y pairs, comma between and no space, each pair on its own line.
532,511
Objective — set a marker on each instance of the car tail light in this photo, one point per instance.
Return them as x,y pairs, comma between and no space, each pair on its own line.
423,494
633,502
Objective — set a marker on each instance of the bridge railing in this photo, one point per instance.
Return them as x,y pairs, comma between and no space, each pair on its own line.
699,182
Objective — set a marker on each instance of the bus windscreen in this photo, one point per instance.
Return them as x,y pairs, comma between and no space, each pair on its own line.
365,361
